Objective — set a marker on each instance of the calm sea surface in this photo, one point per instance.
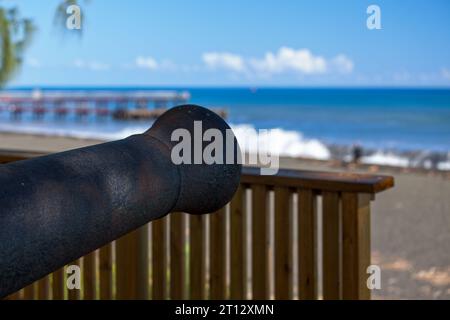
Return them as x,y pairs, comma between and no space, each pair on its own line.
403,119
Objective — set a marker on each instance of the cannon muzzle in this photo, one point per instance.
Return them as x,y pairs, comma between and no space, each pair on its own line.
57,208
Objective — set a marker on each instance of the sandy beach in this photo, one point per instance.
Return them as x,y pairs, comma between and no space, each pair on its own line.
410,223
41,143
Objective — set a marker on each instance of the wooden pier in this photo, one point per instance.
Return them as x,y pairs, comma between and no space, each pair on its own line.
125,105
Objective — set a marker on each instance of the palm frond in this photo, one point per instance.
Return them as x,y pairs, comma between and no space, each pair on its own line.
15,36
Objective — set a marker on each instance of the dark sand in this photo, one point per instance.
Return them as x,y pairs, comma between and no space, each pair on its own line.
410,223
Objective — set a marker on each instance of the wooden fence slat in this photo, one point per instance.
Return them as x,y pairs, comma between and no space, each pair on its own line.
28,292
217,254
159,263
283,256
106,277
73,294
260,239
331,243
126,261
132,265
143,265
356,245
177,255
58,284
44,288
197,282
89,276
237,245
306,245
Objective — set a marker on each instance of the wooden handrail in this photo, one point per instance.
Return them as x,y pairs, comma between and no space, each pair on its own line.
17,155
318,180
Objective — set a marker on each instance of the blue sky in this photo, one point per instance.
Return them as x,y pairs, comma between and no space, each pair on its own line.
240,43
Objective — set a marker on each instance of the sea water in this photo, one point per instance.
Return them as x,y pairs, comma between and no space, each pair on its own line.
401,127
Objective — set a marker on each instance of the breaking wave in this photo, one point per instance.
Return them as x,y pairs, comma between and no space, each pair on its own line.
281,142
287,143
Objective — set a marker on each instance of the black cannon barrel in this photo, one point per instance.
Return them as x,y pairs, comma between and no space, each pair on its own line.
57,208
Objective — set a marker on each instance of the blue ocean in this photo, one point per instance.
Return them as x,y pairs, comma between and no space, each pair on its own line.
394,125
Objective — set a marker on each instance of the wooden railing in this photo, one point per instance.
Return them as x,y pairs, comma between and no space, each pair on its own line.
295,235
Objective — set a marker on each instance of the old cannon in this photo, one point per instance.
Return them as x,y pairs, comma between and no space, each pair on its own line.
57,208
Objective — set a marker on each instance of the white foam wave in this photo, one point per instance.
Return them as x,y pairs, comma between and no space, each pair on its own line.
280,142
444,165
74,132
386,158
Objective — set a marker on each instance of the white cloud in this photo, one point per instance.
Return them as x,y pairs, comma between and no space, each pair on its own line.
146,63
91,65
288,59
300,61
167,64
342,63
225,60
284,60
401,76
445,73
98,66
33,62
152,64
79,63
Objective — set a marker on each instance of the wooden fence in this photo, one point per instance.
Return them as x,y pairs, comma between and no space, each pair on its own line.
294,235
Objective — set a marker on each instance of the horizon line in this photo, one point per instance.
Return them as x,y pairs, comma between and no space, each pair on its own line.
246,87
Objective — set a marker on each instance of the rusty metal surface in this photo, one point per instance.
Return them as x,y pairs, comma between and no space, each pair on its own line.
57,208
